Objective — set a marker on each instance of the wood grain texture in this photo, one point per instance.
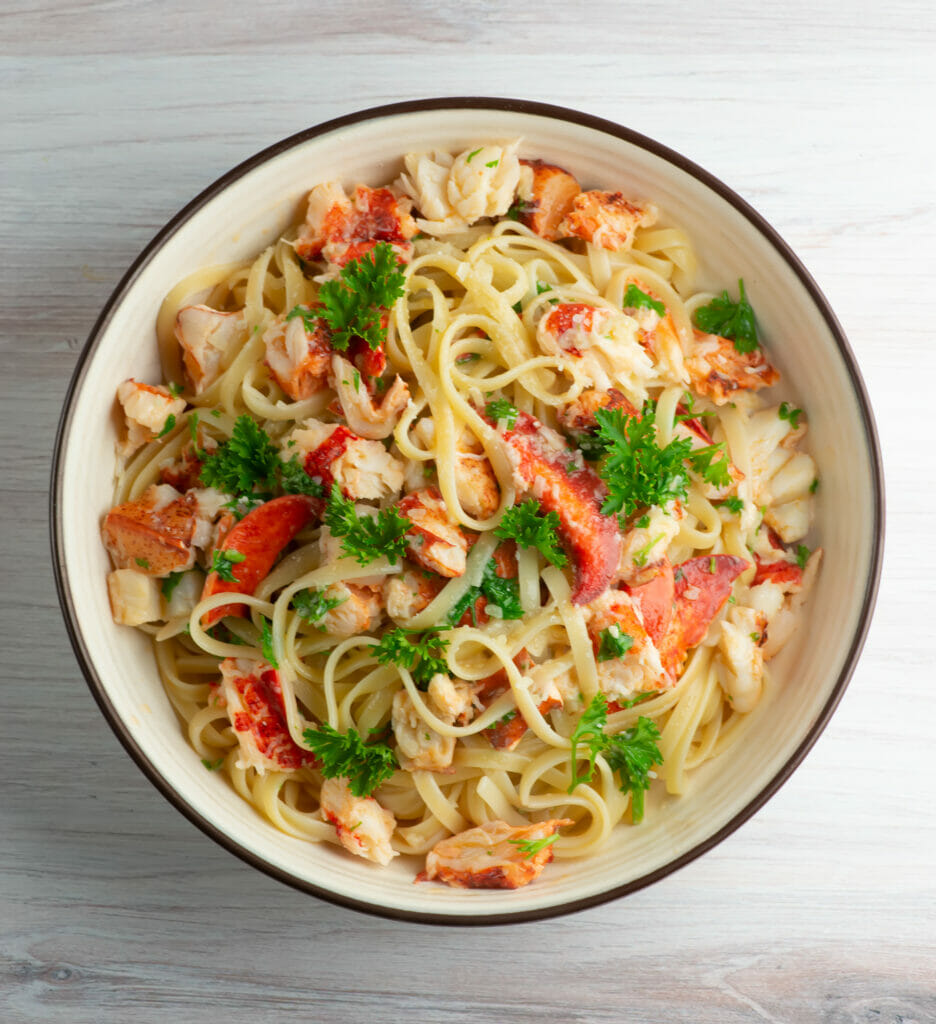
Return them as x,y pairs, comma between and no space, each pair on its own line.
113,907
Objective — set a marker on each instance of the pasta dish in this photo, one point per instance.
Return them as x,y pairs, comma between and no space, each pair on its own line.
460,522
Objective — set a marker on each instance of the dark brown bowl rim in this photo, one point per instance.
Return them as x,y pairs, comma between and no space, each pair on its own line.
556,113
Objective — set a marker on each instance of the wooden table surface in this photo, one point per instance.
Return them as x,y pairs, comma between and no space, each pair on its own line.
112,906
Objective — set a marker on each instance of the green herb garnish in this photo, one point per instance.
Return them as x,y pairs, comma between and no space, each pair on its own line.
530,527
733,320
364,765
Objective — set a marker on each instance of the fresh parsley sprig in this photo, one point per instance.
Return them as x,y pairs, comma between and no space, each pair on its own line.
365,766
419,651
734,320
712,471
249,464
530,527
637,471
631,753
365,537
589,732
354,305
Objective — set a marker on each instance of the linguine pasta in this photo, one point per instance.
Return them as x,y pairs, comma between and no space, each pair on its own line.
501,700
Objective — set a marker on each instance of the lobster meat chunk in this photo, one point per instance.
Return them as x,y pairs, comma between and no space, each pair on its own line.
339,228
717,369
606,219
260,537
254,699
701,586
787,574
433,540
561,482
154,534
492,855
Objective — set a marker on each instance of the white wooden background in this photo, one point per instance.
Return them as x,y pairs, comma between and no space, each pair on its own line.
112,906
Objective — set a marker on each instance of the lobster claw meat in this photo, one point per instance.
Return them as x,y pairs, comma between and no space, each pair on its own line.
254,700
544,467
785,573
655,598
260,536
701,586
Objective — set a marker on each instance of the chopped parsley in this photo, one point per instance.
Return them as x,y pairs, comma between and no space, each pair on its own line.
169,584
531,847
500,409
142,563
541,287
639,699
421,652
631,753
353,306
175,389
531,528
688,403
814,486
492,163
364,765
473,154
640,556
212,766
634,298
502,593
249,465
733,320
365,537
613,643
266,640
222,560
168,425
789,413
802,555
193,433
734,504
643,522
313,605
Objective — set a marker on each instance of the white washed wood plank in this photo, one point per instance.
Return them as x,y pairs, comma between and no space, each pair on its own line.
113,907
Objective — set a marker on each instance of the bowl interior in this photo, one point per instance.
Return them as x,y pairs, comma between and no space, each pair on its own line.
255,206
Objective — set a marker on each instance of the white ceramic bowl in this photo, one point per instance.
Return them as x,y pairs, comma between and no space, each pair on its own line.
247,209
